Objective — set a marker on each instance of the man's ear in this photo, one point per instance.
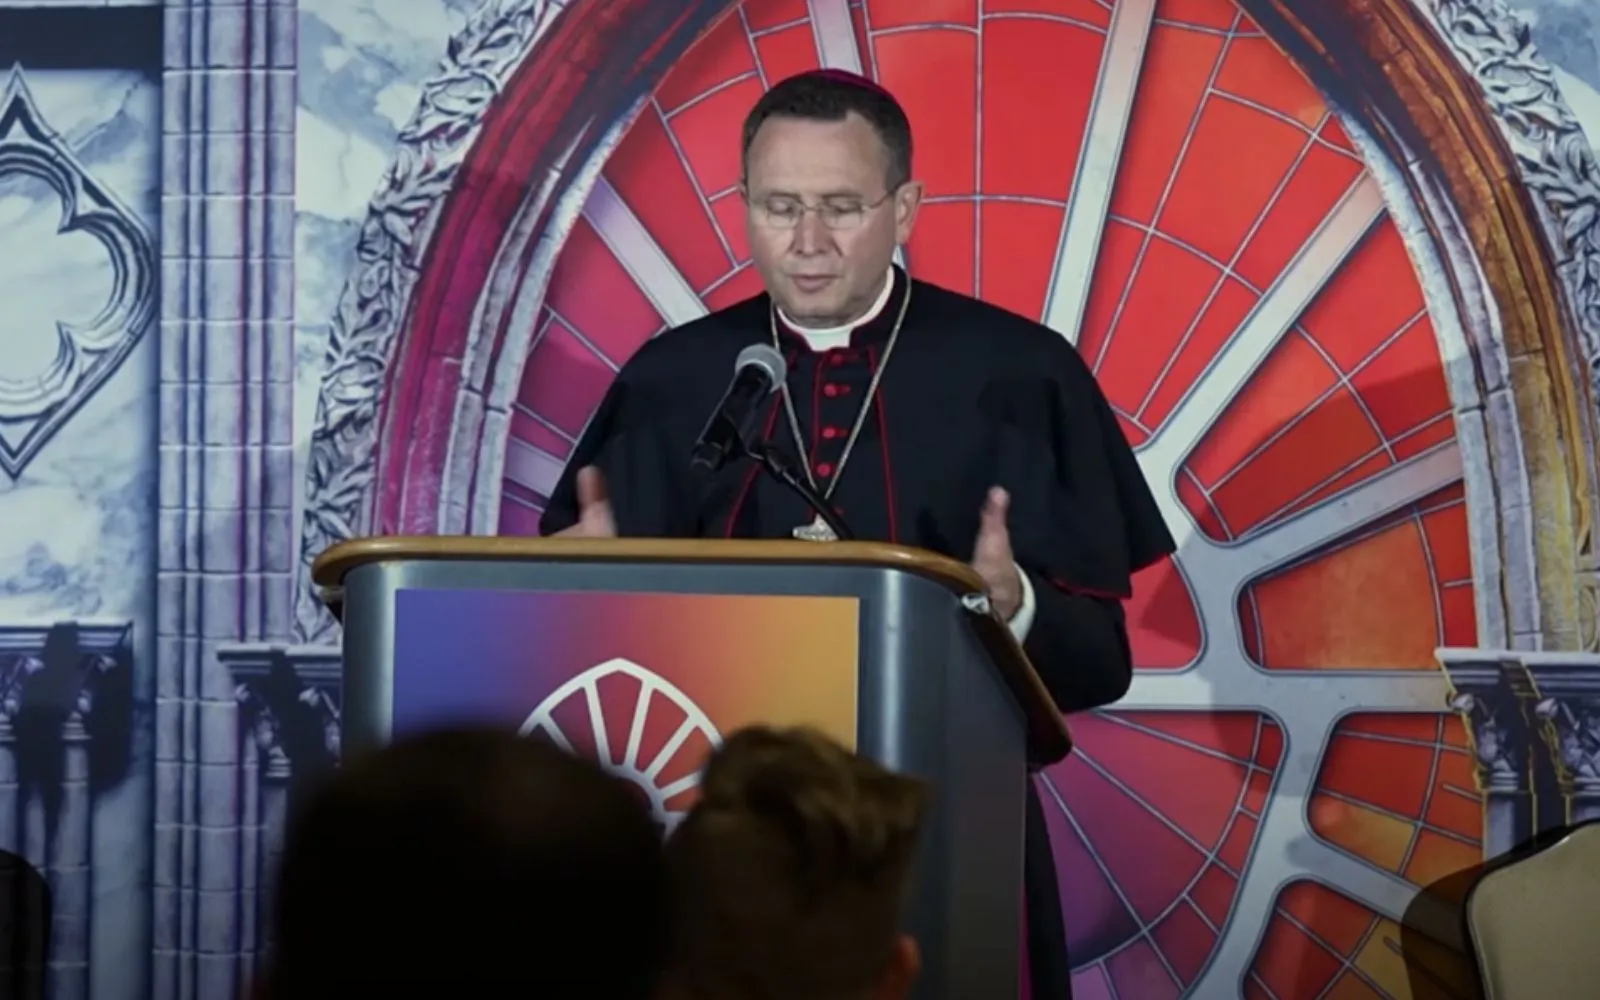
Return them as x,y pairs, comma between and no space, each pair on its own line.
905,965
907,201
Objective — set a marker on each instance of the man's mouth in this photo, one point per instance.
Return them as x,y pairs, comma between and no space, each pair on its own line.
812,283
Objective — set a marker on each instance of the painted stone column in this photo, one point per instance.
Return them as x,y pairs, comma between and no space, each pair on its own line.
1501,740
1568,686
289,699
71,873
16,666
226,484
60,687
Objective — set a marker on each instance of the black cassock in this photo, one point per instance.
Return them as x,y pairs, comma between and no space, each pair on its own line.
972,397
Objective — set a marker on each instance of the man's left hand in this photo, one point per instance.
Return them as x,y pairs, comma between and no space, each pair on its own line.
992,556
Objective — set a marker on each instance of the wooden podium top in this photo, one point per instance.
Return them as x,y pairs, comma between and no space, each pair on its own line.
1048,737
330,568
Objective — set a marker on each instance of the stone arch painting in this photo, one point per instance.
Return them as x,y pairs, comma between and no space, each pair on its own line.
1336,266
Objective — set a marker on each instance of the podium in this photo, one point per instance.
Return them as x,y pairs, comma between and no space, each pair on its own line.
643,652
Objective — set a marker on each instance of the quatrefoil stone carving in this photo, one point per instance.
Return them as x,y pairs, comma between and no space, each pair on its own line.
34,408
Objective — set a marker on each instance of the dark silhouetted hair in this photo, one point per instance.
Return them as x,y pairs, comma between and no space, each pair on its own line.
470,863
831,96
789,876
25,916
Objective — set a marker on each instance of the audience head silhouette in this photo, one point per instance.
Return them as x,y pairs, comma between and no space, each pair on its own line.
468,863
789,876
25,916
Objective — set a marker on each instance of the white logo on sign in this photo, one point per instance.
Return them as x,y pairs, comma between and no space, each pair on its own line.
644,773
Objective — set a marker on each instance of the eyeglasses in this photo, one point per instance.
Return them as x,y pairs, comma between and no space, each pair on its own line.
835,213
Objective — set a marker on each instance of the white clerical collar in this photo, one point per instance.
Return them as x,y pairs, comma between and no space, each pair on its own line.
828,338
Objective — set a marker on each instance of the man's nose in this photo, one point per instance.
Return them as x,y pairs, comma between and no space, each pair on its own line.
810,235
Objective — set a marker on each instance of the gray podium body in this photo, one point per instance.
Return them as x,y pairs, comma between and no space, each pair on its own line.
943,692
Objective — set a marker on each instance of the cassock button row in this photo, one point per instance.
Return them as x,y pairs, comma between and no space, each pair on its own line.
835,389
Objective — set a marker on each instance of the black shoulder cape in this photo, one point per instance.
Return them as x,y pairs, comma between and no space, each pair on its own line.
973,396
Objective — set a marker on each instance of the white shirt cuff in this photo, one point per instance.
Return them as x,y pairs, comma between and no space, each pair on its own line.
1022,622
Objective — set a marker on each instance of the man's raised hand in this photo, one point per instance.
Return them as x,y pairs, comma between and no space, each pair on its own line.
992,558
595,519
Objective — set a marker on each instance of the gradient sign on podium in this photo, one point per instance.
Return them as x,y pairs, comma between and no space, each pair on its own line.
646,682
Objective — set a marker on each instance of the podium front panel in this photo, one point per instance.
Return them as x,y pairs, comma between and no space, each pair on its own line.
881,660
647,683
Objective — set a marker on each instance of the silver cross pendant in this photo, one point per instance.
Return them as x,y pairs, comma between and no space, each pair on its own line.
816,531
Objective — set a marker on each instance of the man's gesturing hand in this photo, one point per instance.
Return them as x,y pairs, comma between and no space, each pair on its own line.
992,556
595,519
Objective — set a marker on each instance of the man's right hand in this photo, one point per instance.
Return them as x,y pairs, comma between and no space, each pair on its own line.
595,519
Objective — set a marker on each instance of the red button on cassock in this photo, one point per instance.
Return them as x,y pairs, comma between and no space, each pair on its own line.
825,469
830,433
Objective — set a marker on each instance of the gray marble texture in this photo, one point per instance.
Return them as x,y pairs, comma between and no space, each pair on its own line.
74,522
1567,34
77,529
362,66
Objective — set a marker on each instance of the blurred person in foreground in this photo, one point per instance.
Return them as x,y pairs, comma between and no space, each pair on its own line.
470,863
25,918
923,416
789,878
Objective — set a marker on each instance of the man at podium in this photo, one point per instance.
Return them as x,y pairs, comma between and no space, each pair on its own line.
918,415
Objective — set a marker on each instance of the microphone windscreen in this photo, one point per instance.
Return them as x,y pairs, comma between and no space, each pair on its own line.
765,357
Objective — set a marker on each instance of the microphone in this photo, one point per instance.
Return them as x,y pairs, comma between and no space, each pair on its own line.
757,372
730,433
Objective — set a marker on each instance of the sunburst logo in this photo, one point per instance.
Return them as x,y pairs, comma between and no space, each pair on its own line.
585,714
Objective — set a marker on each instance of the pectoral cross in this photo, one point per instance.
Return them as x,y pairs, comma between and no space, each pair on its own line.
816,531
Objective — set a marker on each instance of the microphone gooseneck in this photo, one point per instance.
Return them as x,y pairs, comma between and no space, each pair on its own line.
730,433
780,468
